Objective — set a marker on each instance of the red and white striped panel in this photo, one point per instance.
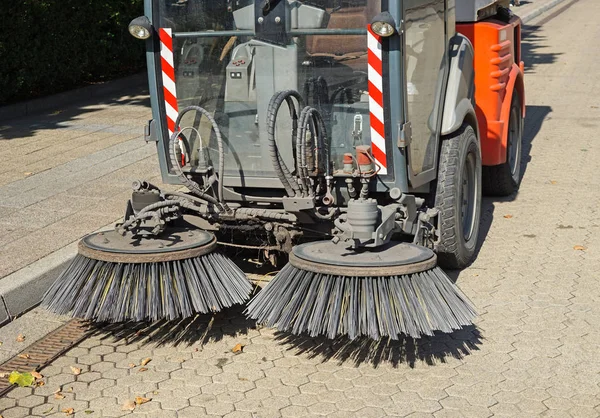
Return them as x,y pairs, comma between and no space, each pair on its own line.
376,99
168,77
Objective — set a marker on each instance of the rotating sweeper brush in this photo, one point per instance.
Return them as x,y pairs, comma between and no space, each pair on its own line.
117,278
330,290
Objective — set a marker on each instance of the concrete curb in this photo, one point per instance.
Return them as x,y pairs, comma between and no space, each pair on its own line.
66,98
540,10
23,289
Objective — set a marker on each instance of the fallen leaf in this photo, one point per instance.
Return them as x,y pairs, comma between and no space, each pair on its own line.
21,379
579,248
40,383
140,400
69,411
553,182
142,369
155,392
27,174
70,389
76,370
508,216
88,412
59,396
37,375
3,375
20,338
131,365
24,356
47,411
237,349
128,406
145,361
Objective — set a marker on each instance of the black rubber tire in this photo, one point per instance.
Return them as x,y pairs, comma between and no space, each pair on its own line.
504,179
460,162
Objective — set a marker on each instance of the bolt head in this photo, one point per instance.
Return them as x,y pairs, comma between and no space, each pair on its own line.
261,20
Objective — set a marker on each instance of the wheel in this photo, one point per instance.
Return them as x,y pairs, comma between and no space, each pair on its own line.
458,198
504,179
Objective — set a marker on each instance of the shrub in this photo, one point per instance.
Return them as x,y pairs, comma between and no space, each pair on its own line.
47,46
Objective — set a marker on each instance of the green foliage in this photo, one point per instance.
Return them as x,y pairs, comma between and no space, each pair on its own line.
47,46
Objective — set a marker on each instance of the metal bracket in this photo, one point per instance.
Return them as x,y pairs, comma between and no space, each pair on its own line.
405,135
150,132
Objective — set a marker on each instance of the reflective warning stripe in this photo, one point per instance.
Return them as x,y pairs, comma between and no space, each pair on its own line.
376,103
168,77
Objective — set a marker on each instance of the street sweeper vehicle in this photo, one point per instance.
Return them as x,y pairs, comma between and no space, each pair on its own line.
347,139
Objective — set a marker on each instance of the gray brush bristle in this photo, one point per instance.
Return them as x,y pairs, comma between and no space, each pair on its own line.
299,301
115,292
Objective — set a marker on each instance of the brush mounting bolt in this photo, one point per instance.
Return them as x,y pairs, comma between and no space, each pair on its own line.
269,227
395,194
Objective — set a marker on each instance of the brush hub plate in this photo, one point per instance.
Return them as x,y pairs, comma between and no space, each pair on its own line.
392,259
176,243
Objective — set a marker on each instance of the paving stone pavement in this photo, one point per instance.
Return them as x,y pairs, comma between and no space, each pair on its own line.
533,350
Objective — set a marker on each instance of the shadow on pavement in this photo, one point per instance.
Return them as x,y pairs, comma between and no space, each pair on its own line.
65,116
200,329
429,350
534,54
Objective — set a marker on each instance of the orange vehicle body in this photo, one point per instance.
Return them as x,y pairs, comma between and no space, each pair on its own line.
498,73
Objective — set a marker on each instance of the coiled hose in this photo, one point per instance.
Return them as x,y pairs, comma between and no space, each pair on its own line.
283,173
312,117
189,183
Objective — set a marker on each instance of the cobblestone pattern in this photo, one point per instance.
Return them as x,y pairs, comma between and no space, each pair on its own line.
534,350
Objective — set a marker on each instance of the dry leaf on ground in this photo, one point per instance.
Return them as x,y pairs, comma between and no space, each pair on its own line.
128,406
579,248
140,400
76,370
508,216
237,349
69,411
37,375
24,356
20,338
131,365
59,396
143,369
553,182
145,361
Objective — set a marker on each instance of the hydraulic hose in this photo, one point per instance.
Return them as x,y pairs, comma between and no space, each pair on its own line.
310,115
283,173
190,184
